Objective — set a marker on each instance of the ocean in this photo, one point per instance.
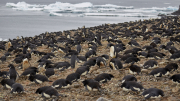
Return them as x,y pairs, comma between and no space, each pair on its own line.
33,17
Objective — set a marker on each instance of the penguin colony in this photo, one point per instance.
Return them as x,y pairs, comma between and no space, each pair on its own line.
121,62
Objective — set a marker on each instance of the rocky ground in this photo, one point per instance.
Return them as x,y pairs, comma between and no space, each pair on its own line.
110,90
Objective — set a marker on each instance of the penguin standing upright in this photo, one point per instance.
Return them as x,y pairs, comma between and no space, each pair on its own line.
12,72
112,51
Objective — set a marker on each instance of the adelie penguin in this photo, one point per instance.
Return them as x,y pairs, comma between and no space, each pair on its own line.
48,92
92,85
61,83
112,51
17,88
7,83
158,72
153,93
49,72
150,64
104,77
73,77
134,69
12,72
83,70
131,86
175,78
41,89
129,78
115,64
100,62
38,78
172,66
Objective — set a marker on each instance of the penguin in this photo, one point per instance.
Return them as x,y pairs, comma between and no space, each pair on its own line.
131,60
12,72
134,69
83,70
25,64
172,66
61,83
133,43
158,72
125,57
18,60
175,57
62,65
73,77
175,78
131,86
92,85
100,62
81,59
38,79
73,60
3,58
78,48
90,62
150,64
50,92
104,77
153,93
49,72
29,72
142,54
17,88
7,83
4,74
115,64
90,53
155,55
129,78
42,89
105,57
112,51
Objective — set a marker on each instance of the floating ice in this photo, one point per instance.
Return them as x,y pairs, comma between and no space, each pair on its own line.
88,9
121,15
170,8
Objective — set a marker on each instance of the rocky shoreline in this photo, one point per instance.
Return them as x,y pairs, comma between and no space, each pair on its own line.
167,29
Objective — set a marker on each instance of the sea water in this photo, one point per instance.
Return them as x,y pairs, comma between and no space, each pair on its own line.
33,17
